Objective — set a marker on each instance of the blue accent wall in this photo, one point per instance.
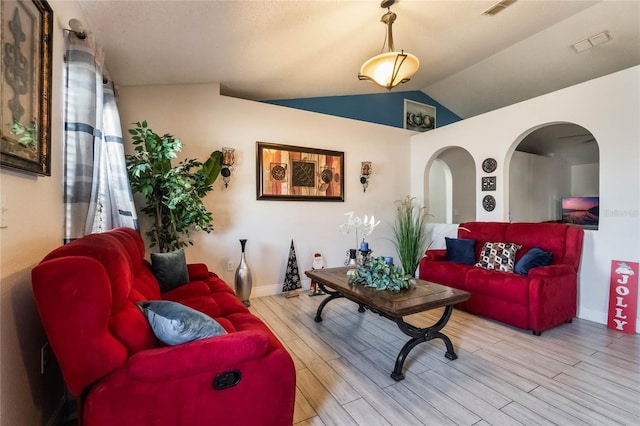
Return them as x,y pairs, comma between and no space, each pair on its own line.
381,108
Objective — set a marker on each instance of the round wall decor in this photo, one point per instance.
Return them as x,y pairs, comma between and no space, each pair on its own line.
489,165
489,203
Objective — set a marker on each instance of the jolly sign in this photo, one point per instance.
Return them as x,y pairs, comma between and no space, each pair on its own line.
623,296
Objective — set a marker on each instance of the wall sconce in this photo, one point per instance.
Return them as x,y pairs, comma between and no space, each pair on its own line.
228,159
365,173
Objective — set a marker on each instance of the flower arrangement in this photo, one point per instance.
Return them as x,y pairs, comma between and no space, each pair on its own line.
382,276
360,226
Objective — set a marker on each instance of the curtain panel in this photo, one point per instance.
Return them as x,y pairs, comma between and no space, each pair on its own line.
97,195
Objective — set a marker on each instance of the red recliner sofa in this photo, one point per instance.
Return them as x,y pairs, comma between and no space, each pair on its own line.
542,299
86,294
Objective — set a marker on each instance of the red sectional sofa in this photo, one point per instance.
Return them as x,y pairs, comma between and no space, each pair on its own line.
86,293
538,301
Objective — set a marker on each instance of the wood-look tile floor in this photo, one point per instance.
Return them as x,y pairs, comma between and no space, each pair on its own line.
577,374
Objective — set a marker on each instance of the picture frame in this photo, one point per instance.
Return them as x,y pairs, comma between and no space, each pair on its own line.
419,117
293,173
26,61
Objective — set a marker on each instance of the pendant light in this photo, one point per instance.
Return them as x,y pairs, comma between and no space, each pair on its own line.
390,68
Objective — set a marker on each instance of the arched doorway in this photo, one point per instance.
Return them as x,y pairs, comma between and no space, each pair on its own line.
450,186
552,163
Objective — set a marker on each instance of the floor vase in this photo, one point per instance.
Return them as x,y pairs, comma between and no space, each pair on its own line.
243,279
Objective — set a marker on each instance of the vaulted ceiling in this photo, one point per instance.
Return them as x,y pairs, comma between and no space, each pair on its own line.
469,62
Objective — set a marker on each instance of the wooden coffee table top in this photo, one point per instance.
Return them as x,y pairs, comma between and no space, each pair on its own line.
421,297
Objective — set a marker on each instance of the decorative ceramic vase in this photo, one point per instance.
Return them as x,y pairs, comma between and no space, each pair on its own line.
243,278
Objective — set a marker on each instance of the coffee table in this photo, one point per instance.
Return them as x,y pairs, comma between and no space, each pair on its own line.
395,306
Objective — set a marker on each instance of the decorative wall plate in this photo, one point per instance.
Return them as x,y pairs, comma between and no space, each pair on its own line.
489,183
489,165
489,203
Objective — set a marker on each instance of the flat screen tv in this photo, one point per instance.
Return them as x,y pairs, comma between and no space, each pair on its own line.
583,211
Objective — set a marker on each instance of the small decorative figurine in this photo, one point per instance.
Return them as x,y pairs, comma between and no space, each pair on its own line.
318,263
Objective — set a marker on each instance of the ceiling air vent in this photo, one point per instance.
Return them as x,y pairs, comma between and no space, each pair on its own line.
498,7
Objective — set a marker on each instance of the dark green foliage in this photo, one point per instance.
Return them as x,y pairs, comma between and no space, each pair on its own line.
381,276
173,193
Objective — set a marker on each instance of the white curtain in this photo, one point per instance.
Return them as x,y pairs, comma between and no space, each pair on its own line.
97,194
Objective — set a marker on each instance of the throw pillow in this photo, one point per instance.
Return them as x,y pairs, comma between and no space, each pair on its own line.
532,259
170,269
460,250
174,323
498,256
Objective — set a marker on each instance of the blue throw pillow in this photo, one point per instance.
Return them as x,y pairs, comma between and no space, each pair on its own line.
460,250
170,269
174,323
532,259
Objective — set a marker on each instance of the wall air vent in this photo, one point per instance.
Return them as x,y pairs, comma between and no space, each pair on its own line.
498,7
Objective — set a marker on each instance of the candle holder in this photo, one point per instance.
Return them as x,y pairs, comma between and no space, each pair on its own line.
351,257
228,160
365,173
364,257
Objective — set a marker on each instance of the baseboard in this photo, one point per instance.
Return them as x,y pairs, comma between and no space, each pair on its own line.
592,315
274,289
601,317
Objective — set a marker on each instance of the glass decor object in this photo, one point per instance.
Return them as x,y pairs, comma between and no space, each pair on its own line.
243,279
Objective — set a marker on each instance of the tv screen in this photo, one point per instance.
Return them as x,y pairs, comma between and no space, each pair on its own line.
583,211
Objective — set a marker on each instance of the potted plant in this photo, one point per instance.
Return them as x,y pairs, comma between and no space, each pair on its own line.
409,234
173,194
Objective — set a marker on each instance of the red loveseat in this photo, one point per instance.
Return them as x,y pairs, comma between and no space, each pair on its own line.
538,301
86,294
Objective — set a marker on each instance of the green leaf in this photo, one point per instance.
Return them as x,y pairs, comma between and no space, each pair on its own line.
173,195
212,167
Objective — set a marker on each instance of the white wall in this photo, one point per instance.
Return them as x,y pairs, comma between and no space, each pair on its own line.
206,121
585,180
618,134
536,185
34,220
460,163
440,189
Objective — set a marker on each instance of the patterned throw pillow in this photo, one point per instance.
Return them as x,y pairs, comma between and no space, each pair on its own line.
498,256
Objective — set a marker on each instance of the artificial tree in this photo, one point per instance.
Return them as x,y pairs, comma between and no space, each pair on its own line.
409,234
173,194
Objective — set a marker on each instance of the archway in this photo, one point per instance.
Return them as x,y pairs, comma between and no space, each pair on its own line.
551,163
450,186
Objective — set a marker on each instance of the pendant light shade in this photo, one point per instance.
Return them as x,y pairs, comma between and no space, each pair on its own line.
390,68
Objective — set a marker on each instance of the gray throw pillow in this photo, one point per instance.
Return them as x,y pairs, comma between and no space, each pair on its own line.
174,323
170,269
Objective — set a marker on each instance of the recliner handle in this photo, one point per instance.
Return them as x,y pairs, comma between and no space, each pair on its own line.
227,380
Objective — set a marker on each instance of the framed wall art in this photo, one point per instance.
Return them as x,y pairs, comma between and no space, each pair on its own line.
419,117
488,183
293,173
25,90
